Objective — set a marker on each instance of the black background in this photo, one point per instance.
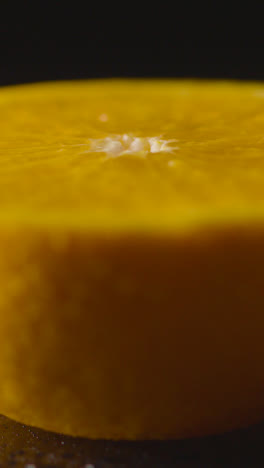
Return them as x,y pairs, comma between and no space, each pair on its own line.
39,41
94,61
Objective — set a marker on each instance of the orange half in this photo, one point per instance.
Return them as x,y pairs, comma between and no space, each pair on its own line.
132,257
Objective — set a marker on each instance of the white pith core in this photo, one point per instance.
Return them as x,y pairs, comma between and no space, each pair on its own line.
118,145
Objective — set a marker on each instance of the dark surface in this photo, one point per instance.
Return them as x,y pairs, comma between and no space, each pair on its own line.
22,445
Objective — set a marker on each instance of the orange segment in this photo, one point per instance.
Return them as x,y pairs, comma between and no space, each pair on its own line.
132,257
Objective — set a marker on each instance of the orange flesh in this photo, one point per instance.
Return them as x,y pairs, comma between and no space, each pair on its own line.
131,300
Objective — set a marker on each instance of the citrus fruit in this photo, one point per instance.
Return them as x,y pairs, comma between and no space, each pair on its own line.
132,257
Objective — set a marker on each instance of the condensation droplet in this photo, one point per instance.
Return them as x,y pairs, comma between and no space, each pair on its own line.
103,118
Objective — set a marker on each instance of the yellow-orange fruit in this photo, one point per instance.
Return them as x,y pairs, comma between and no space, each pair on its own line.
132,257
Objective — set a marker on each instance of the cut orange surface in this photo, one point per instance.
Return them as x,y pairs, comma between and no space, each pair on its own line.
132,257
